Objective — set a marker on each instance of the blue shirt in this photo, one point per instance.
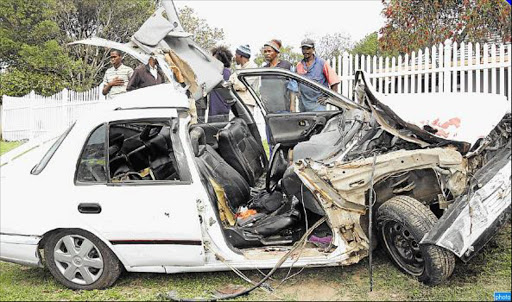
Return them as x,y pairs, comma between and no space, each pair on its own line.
319,72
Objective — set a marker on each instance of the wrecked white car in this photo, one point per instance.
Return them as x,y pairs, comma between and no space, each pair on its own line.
136,186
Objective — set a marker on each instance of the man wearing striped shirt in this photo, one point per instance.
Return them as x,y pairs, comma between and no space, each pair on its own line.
116,78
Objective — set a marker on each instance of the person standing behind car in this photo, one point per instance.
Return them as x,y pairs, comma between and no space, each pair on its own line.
278,93
116,77
146,75
242,59
315,69
218,107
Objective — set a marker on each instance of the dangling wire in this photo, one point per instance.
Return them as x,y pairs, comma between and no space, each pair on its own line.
370,222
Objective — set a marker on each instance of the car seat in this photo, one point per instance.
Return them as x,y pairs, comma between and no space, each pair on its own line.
263,229
241,150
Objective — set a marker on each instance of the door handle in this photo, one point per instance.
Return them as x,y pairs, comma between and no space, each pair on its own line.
318,122
89,208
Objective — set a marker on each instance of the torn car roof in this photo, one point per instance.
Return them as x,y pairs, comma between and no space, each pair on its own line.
174,50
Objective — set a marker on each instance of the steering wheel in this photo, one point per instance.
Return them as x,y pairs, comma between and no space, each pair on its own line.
276,168
124,176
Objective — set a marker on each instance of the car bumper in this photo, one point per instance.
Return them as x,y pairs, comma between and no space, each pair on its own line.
474,218
21,249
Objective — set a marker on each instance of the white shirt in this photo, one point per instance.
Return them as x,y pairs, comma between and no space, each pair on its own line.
123,72
153,71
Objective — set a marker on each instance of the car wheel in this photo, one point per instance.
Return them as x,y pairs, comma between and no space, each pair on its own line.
80,260
402,223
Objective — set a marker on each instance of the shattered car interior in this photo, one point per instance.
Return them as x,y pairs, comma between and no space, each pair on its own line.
136,151
333,186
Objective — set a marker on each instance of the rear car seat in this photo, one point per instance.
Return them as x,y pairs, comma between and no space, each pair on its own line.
161,159
241,150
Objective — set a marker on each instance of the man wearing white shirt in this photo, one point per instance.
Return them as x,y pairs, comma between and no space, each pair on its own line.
116,77
146,75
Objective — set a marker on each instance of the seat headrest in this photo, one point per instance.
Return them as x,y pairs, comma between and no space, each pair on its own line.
116,141
198,141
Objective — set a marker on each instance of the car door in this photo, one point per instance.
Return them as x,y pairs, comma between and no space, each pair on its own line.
288,123
150,220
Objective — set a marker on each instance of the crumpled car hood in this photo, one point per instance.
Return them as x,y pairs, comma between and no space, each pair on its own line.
394,124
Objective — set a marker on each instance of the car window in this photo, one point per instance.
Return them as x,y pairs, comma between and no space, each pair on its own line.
146,151
282,94
140,151
91,167
49,154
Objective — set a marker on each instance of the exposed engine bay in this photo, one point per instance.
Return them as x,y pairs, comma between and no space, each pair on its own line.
331,174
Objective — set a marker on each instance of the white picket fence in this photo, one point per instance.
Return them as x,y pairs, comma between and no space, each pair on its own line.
442,68
32,115
445,67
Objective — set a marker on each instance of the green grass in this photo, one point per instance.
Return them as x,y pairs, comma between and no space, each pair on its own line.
8,146
478,280
265,146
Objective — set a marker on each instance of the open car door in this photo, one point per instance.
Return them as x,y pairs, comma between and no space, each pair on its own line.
279,93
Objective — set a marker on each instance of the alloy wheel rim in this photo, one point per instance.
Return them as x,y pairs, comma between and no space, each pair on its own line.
403,247
78,259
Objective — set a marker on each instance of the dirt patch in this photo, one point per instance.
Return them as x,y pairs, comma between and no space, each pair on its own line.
312,290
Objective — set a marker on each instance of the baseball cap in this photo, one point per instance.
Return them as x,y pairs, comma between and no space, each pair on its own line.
307,43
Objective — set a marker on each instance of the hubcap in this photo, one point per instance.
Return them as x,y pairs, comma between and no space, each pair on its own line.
78,259
403,247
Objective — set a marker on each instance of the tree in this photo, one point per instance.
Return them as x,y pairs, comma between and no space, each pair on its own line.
34,34
30,49
415,24
332,45
285,53
367,46
204,35
115,20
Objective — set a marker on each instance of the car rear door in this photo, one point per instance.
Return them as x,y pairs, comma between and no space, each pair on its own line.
150,222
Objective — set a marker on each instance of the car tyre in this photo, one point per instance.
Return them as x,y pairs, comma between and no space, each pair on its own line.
80,260
402,222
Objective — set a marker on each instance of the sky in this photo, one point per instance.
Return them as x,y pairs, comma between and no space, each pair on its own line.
255,22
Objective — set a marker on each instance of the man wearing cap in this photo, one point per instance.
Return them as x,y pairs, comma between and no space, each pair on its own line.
316,69
242,56
271,51
146,75
277,92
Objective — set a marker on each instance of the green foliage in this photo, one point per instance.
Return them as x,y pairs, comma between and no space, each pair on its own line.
34,34
20,82
411,25
115,20
367,46
35,60
204,35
